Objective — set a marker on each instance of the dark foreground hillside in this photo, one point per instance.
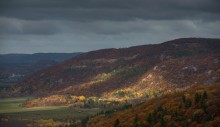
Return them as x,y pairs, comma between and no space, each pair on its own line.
198,106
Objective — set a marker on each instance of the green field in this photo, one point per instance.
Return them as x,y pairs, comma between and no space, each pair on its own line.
11,108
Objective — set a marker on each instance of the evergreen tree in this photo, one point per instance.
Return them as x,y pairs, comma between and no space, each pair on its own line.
117,123
180,105
163,122
197,98
184,98
205,95
188,103
149,118
208,117
135,124
203,105
84,121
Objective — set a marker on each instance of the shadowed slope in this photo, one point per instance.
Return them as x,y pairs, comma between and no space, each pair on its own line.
176,63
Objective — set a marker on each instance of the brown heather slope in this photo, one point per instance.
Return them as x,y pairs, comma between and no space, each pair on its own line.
195,107
155,68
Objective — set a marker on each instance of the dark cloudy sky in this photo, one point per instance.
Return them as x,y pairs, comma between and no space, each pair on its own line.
29,26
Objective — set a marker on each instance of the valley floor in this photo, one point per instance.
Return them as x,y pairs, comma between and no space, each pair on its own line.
12,114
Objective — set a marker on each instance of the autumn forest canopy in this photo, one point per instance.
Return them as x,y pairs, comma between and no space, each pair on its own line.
109,63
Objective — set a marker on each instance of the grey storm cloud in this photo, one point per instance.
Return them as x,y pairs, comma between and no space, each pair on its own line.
15,26
87,10
28,26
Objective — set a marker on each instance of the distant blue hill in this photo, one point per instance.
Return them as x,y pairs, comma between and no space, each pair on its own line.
33,58
15,67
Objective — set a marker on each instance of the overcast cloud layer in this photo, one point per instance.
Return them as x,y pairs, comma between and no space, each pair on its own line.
29,26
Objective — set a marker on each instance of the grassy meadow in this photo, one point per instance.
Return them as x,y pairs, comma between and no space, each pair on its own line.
11,109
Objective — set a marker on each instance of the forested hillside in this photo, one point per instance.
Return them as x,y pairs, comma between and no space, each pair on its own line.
129,72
